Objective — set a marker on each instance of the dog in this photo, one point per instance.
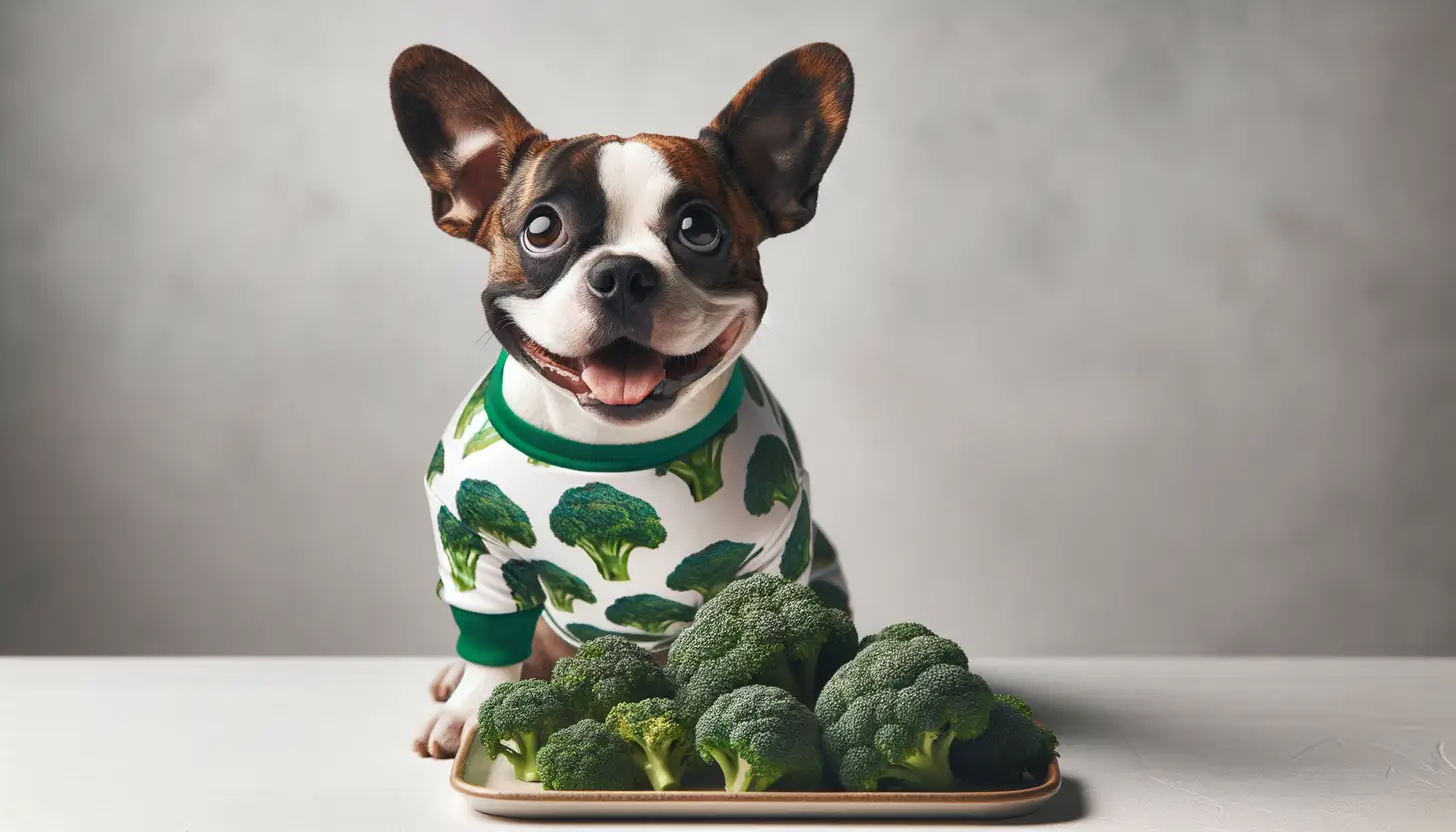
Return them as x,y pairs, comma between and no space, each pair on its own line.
619,463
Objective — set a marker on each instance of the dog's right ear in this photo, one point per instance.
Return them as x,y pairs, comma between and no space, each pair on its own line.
461,131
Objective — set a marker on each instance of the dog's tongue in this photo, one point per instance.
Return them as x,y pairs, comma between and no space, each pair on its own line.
623,373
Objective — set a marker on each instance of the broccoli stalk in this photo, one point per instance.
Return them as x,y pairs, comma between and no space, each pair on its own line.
483,438
761,736
463,549
607,524
563,588
490,513
588,756
927,767
648,613
587,632
760,629
607,671
891,713
662,744
474,406
518,718
771,476
709,570
702,468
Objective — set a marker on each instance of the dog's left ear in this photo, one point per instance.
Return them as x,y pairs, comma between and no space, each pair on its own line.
782,129
461,131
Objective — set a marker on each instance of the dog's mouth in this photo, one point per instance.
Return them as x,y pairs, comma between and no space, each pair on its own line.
628,375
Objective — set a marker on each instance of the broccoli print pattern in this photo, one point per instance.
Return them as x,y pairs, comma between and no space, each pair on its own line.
630,553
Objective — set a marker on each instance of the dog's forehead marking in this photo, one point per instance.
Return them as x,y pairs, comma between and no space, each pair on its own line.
637,183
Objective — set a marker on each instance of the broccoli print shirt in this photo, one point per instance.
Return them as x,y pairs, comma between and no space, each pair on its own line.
625,539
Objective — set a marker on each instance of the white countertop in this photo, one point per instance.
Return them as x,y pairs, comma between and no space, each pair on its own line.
1178,744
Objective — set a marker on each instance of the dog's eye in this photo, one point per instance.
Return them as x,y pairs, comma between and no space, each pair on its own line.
698,230
544,231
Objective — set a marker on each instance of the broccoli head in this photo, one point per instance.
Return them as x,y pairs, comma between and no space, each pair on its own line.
1012,744
606,672
474,406
709,570
771,476
702,468
795,558
761,736
648,613
891,713
437,463
760,629
518,718
662,744
463,549
562,587
588,756
490,513
525,586
607,524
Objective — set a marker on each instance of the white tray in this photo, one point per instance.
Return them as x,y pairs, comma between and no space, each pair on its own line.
491,787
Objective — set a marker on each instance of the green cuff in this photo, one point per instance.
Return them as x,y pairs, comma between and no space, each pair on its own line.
495,640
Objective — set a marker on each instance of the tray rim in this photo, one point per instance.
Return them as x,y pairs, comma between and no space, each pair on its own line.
1041,791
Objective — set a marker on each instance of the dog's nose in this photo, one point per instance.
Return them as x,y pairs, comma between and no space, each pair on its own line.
623,279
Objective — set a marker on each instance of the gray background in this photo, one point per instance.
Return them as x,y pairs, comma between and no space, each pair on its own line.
1123,326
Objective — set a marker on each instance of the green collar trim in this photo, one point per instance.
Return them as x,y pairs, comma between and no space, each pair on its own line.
583,456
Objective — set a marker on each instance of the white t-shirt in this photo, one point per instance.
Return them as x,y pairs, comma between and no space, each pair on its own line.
625,539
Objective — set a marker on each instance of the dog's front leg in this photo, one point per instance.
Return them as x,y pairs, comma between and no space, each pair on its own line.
443,732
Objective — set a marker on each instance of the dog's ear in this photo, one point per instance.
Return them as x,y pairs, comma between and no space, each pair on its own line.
461,131
781,130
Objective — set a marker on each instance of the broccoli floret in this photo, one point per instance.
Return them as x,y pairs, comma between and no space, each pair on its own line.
761,736
437,463
795,558
662,744
607,524
483,438
490,513
521,580
518,718
463,549
702,468
588,756
648,613
709,570
904,631
891,713
771,476
606,672
562,587
474,406
587,632
1011,745
760,629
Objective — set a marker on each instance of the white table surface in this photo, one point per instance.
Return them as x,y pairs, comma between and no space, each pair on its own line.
1179,744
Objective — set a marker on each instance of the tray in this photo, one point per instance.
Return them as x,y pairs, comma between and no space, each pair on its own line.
489,786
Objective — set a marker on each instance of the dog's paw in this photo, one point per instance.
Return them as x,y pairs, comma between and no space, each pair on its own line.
442,733
446,681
